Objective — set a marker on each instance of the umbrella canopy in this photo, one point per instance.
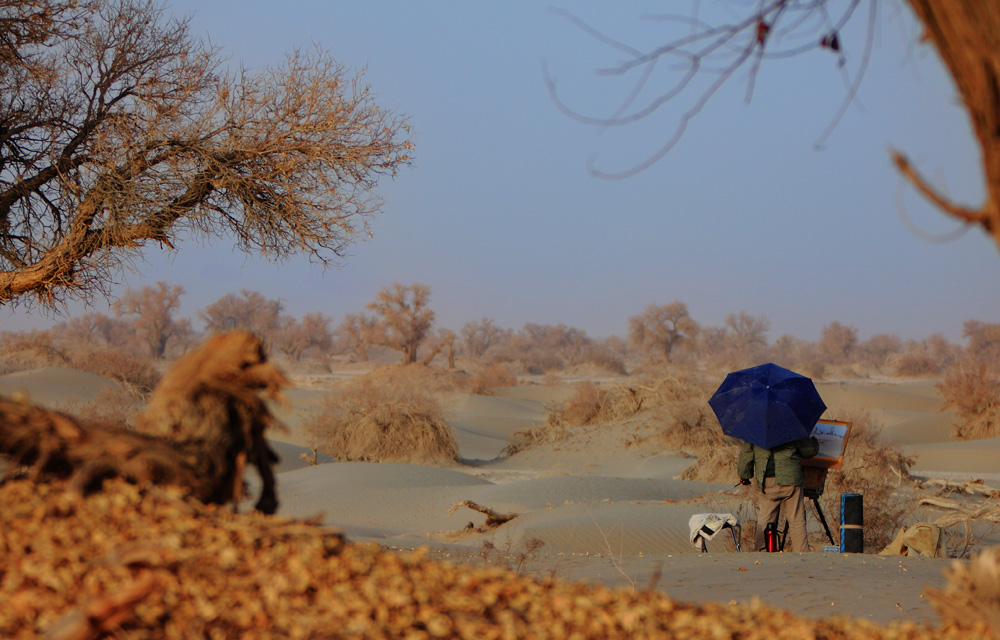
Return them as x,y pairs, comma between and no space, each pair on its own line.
767,405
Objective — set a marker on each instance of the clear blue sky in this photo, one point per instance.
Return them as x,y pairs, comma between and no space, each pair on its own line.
500,216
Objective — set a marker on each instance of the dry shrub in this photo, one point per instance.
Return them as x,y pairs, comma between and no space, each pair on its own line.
425,378
493,377
511,557
137,373
550,379
385,416
973,391
22,351
715,465
583,407
874,468
915,361
693,428
604,360
534,436
971,597
116,406
591,404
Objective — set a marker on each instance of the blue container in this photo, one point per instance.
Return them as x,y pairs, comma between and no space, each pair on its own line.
852,523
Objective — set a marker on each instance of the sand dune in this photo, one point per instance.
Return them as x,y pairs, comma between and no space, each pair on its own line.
609,507
606,504
968,458
885,396
53,386
915,427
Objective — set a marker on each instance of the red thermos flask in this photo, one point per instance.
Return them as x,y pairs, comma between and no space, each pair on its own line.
771,537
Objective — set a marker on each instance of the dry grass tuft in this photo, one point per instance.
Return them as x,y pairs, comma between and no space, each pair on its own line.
509,556
691,427
493,377
426,379
591,404
115,406
22,351
533,436
588,405
386,416
971,596
973,391
137,373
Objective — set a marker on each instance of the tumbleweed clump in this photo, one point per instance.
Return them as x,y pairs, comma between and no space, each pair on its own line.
388,416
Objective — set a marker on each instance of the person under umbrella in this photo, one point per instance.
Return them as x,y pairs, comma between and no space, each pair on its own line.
778,476
772,410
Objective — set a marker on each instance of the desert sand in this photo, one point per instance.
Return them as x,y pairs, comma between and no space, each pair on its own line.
605,503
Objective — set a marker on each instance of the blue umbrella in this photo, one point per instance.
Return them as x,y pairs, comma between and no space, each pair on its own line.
767,405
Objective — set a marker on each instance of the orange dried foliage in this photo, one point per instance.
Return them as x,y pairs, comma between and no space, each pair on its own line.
148,564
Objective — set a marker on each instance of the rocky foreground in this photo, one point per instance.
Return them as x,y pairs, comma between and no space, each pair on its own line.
149,563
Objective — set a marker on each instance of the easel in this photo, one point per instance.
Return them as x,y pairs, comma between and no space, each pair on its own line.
832,435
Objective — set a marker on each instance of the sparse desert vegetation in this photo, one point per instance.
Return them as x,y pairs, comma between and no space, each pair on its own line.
390,415
145,454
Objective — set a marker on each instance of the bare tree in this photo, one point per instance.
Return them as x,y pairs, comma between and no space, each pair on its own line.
444,341
119,129
838,342
357,333
404,317
660,328
27,23
96,329
248,311
984,341
749,331
293,337
153,308
878,349
706,55
478,337
569,344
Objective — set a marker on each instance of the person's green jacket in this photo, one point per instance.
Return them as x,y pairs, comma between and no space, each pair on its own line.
787,469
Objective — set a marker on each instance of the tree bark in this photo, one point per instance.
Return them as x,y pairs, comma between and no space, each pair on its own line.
966,34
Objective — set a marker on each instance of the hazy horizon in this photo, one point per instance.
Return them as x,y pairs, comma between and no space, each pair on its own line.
501,218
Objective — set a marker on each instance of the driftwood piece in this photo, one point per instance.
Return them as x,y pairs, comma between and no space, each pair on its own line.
493,519
941,503
204,422
959,513
967,486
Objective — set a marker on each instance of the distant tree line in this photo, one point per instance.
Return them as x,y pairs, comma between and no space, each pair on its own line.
145,327
400,318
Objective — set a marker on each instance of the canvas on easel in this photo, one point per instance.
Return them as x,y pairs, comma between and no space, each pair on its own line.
832,436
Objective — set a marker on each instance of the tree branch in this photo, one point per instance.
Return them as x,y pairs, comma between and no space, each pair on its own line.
969,216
